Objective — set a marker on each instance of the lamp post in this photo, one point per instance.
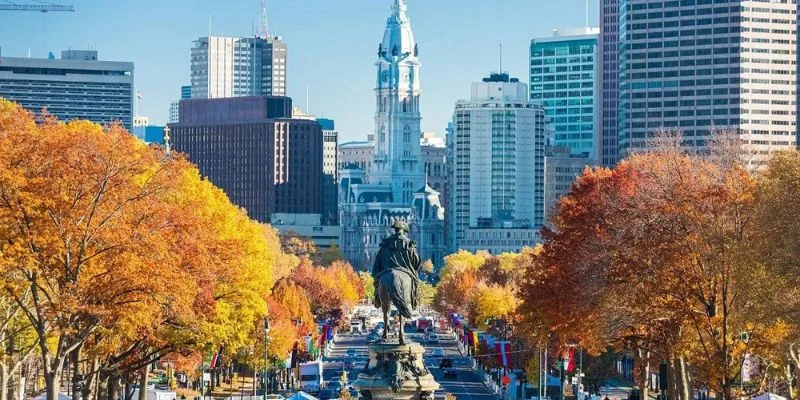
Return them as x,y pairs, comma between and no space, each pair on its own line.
266,354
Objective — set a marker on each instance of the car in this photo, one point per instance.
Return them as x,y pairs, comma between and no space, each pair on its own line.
328,394
446,363
275,397
450,373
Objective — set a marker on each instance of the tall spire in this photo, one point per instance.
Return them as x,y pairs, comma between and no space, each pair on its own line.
399,6
398,40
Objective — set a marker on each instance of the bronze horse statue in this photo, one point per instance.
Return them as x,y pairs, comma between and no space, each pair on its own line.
396,276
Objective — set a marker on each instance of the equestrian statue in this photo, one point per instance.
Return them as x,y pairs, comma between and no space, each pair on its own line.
396,273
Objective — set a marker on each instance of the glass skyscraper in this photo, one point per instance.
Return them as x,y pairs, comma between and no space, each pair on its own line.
562,69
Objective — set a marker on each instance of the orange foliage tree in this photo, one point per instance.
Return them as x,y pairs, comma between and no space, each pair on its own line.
654,257
115,246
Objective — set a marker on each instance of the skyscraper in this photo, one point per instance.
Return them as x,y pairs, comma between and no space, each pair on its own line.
698,65
563,78
78,86
607,95
238,66
497,150
264,160
396,187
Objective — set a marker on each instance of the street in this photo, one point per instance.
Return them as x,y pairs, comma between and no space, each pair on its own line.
466,386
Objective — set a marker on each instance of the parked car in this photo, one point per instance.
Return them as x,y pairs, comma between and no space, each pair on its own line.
328,394
275,397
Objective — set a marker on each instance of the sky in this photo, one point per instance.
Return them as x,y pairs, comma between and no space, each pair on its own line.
332,45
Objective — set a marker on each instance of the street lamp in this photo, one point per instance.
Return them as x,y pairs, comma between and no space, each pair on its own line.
266,354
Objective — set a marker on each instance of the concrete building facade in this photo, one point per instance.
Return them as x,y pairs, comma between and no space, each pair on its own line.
238,66
698,65
77,86
395,188
496,166
563,79
561,167
607,94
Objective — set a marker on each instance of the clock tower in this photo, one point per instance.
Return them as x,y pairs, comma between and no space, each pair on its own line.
397,118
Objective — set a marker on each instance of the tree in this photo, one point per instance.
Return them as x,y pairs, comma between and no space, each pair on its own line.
118,250
368,283
427,293
655,257
330,255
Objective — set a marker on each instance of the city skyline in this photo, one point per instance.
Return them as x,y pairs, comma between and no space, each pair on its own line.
160,46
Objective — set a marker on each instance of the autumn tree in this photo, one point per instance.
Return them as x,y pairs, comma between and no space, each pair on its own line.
655,257
117,249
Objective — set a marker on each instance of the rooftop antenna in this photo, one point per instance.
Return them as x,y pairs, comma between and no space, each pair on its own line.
263,27
501,58
587,15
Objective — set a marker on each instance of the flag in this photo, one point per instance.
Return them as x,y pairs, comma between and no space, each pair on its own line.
293,359
502,352
571,360
215,358
324,336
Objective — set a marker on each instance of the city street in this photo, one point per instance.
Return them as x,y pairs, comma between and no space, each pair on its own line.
466,386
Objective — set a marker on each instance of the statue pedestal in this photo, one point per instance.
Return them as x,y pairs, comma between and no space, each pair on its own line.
396,371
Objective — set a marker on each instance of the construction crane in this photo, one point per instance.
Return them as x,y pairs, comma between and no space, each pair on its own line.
44,7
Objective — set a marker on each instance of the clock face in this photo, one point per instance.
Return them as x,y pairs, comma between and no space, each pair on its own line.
385,75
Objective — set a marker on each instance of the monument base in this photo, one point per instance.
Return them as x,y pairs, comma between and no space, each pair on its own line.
396,371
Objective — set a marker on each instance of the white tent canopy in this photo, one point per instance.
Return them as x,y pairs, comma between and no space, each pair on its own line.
769,396
305,396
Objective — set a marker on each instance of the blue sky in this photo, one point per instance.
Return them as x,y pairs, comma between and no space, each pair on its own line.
332,45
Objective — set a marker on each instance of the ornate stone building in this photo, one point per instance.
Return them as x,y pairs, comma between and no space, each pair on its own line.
395,187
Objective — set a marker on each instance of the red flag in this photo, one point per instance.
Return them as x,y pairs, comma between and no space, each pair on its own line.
324,335
215,358
571,360
501,350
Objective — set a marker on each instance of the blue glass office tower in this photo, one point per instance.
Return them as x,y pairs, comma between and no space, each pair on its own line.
563,78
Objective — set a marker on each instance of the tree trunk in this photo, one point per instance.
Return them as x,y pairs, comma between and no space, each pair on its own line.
91,379
686,381
52,381
113,387
143,382
4,378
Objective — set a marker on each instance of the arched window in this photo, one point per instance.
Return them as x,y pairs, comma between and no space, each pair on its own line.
407,134
382,134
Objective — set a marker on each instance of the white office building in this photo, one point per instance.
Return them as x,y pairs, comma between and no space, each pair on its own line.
497,149
698,65
77,86
238,66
